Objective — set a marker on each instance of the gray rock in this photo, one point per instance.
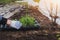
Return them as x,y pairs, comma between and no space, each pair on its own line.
7,10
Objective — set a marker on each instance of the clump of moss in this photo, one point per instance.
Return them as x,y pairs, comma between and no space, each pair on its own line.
27,20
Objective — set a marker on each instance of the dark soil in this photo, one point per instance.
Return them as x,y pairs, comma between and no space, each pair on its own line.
26,35
44,33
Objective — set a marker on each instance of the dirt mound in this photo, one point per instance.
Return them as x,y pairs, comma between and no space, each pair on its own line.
30,34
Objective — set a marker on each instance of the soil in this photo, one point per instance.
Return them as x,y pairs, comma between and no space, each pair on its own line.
44,33
26,35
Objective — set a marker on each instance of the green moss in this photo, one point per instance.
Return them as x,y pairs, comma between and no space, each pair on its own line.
27,20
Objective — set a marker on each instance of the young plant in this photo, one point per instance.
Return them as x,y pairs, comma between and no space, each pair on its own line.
27,21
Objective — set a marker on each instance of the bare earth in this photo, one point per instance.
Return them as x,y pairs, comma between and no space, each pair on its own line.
44,33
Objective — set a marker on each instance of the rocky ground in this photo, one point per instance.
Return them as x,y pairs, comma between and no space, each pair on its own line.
44,33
